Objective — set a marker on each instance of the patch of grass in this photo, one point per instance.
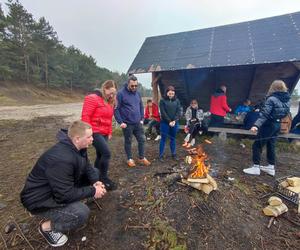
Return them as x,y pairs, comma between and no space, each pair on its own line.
242,187
117,131
164,236
284,146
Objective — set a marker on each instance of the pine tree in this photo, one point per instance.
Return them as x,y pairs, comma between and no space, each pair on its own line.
20,26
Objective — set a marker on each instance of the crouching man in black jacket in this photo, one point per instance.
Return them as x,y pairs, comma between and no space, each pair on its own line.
61,178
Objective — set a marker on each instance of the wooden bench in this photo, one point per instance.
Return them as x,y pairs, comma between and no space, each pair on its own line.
224,131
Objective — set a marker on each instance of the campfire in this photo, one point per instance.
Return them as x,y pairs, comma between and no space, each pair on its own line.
198,177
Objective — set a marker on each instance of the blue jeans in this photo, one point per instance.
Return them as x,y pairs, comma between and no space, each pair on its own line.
103,154
267,135
138,131
167,131
66,218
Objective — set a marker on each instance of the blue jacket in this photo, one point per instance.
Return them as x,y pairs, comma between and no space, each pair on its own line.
130,109
276,106
242,109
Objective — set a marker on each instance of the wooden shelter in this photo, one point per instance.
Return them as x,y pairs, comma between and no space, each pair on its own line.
246,57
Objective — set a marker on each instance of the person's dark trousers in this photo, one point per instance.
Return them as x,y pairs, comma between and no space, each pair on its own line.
151,124
103,154
194,129
138,131
167,132
267,135
216,121
68,217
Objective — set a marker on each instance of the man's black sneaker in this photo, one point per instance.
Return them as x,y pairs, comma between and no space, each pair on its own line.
109,184
55,239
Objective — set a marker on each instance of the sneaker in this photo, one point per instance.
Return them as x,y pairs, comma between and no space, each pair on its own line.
270,170
109,184
161,159
187,138
131,163
144,161
55,239
254,170
157,138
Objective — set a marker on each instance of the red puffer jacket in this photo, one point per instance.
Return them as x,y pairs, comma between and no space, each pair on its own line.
155,112
98,114
218,105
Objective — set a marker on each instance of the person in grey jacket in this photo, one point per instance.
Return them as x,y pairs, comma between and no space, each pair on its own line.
276,106
194,117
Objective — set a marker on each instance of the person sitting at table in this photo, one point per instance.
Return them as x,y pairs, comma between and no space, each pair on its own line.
243,108
218,107
194,117
295,128
251,118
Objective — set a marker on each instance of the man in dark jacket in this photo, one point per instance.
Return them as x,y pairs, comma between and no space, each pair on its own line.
59,180
129,113
276,106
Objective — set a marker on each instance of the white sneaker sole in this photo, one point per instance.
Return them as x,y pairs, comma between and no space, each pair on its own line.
53,245
251,173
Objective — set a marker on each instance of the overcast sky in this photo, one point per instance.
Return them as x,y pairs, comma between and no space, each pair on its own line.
112,31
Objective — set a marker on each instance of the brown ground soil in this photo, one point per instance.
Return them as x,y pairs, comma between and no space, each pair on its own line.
145,212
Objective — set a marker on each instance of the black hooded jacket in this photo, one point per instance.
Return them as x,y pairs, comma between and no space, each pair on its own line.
276,106
55,179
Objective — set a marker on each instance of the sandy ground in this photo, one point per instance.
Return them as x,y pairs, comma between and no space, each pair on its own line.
72,111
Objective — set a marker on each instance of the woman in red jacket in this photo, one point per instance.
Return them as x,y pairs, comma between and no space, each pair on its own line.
98,110
218,107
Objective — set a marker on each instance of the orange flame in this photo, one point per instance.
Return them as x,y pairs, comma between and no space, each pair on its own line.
201,167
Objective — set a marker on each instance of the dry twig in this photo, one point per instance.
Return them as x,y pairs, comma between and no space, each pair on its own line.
20,230
3,241
271,222
97,204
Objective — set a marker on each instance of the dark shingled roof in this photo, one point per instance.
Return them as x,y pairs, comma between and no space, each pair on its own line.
269,40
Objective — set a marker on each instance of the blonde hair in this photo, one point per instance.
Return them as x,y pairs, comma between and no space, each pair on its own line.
78,128
277,86
108,85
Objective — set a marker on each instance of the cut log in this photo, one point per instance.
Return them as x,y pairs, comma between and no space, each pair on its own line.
192,184
275,210
212,182
294,181
198,180
294,189
284,184
274,201
207,188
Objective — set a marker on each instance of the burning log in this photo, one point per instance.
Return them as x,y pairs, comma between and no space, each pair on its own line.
199,177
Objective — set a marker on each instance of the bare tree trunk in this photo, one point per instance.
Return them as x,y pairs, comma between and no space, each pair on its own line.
26,67
46,70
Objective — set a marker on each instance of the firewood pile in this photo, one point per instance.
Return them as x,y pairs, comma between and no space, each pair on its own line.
199,177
